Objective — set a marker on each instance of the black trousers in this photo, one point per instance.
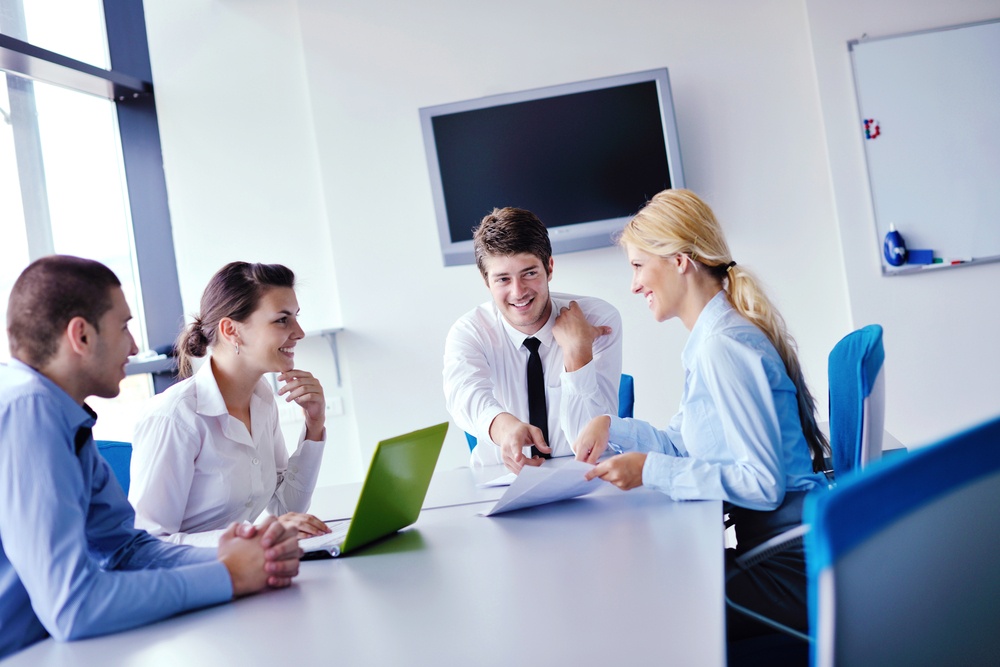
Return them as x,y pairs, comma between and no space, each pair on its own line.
775,588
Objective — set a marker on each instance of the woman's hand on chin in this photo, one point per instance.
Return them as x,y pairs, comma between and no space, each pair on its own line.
306,390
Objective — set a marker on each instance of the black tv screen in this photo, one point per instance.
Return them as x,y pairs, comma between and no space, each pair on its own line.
584,157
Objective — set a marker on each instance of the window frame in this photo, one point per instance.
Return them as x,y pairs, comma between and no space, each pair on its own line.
128,85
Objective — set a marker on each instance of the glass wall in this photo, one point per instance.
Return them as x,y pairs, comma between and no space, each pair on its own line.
64,184
73,28
73,184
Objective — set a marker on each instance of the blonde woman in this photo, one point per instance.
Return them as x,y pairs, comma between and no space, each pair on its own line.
745,432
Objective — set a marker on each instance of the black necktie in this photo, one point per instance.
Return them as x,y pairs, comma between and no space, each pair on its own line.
538,414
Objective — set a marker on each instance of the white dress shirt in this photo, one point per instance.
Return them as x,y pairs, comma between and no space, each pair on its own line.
485,371
196,469
737,435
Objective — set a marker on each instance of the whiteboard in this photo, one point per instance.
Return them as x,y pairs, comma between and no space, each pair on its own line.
929,107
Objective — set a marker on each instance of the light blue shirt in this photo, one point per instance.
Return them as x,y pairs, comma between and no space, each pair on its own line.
737,435
71,563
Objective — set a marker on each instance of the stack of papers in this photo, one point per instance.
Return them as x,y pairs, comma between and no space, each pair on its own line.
537,485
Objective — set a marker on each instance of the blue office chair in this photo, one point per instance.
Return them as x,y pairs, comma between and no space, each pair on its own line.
902,558
857,416
626,404
857,399
119,457
626,396
471,439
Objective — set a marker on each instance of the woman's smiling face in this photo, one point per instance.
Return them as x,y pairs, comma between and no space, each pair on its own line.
269,335
656,279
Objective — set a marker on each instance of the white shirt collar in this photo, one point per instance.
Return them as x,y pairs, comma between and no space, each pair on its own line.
518,337
209,396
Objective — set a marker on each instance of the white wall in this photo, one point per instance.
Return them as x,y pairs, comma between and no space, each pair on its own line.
748,117
942,358
242,169
296,123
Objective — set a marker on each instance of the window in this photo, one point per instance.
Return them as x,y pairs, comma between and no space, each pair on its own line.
71,28
80,165
70,183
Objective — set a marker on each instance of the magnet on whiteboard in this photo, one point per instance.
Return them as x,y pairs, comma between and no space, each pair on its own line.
894,247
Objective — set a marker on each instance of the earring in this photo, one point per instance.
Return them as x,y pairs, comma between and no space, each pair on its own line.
237,346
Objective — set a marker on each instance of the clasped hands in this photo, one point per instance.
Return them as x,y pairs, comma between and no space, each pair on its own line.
260,556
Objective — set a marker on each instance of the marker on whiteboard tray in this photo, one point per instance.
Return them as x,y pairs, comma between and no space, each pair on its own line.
894,247
919,256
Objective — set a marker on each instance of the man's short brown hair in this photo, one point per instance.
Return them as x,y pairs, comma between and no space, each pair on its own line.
47,295
511,231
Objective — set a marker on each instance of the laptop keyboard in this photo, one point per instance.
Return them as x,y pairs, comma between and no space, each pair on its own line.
338,531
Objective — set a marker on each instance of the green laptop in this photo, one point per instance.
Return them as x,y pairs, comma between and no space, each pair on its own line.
392,494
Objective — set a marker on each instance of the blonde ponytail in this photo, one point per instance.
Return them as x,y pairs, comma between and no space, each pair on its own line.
678,221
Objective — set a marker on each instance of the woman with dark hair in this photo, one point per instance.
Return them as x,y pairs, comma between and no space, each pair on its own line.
746,430
209,451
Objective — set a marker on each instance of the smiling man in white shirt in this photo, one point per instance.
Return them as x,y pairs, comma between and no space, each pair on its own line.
487,358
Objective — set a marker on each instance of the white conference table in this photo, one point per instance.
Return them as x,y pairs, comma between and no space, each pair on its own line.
613,577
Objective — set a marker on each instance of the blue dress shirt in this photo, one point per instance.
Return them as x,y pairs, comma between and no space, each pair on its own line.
737,435
71,563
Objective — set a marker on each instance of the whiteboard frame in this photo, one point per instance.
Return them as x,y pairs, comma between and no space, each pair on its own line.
887,269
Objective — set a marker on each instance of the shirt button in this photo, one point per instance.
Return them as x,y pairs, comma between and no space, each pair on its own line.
295,469
256,461
249,504
291,477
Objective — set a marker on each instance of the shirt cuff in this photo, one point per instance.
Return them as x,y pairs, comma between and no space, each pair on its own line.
208,584
657,472
485,421
304,464
201,540
302,436
581,381
619,435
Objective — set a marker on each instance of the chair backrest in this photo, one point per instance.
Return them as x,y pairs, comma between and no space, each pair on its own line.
902,558
857,399
119,457
626,396
626,404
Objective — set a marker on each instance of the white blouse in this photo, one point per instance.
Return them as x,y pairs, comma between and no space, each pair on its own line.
196,469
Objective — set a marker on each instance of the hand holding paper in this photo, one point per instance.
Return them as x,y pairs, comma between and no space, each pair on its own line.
546,484
624,470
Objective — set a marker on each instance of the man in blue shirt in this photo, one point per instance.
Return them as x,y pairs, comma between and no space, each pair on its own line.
71,563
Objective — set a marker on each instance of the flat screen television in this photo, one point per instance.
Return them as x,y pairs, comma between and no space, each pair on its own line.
584,157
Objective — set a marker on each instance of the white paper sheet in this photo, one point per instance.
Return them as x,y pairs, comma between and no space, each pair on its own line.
545,484
502,480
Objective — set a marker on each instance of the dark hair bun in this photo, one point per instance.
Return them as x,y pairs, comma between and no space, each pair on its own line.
195,341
